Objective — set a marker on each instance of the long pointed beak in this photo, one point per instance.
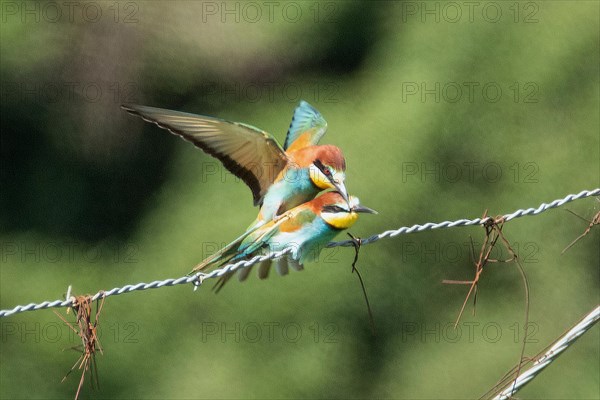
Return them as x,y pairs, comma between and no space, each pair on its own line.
363,209
341,188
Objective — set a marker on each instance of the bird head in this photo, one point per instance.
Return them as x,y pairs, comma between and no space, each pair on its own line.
338,212
328,169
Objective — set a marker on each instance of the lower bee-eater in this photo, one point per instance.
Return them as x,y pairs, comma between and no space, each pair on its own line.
306,228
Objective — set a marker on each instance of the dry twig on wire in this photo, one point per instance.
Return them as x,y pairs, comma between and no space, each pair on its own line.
493,232
90,343
595,221
357,243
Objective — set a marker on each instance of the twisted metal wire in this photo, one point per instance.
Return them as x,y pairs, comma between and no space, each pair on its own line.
557,348
195,279
199,277
469,222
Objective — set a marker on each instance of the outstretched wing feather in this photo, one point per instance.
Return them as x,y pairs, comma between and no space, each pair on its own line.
247,152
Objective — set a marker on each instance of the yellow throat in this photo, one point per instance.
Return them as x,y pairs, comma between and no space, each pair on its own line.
340,220
319,178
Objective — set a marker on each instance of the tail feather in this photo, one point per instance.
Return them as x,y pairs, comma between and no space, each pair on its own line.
226,253
241,249
295,264
244,273
263,269
281,265
222,281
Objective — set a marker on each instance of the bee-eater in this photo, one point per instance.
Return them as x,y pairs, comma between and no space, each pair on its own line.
280,177
306,228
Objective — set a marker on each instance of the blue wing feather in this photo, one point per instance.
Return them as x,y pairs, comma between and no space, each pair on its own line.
305,118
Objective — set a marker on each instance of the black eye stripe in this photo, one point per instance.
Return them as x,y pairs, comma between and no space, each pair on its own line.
322,167
334,209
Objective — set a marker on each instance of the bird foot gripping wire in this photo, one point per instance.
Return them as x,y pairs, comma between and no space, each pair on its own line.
198,280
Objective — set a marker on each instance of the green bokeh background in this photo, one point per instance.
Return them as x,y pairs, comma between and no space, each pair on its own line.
95,198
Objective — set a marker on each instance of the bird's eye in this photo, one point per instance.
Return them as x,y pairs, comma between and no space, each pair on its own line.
325,170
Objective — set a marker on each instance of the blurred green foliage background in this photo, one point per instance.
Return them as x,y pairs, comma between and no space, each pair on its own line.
443,110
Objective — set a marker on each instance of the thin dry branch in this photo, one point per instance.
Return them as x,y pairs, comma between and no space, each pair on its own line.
595,221
357,243
90,343
493,232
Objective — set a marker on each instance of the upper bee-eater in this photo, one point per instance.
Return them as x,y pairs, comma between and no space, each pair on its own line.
306,228
280,177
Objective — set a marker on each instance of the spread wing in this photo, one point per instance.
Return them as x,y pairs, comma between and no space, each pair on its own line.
247,152
307,128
